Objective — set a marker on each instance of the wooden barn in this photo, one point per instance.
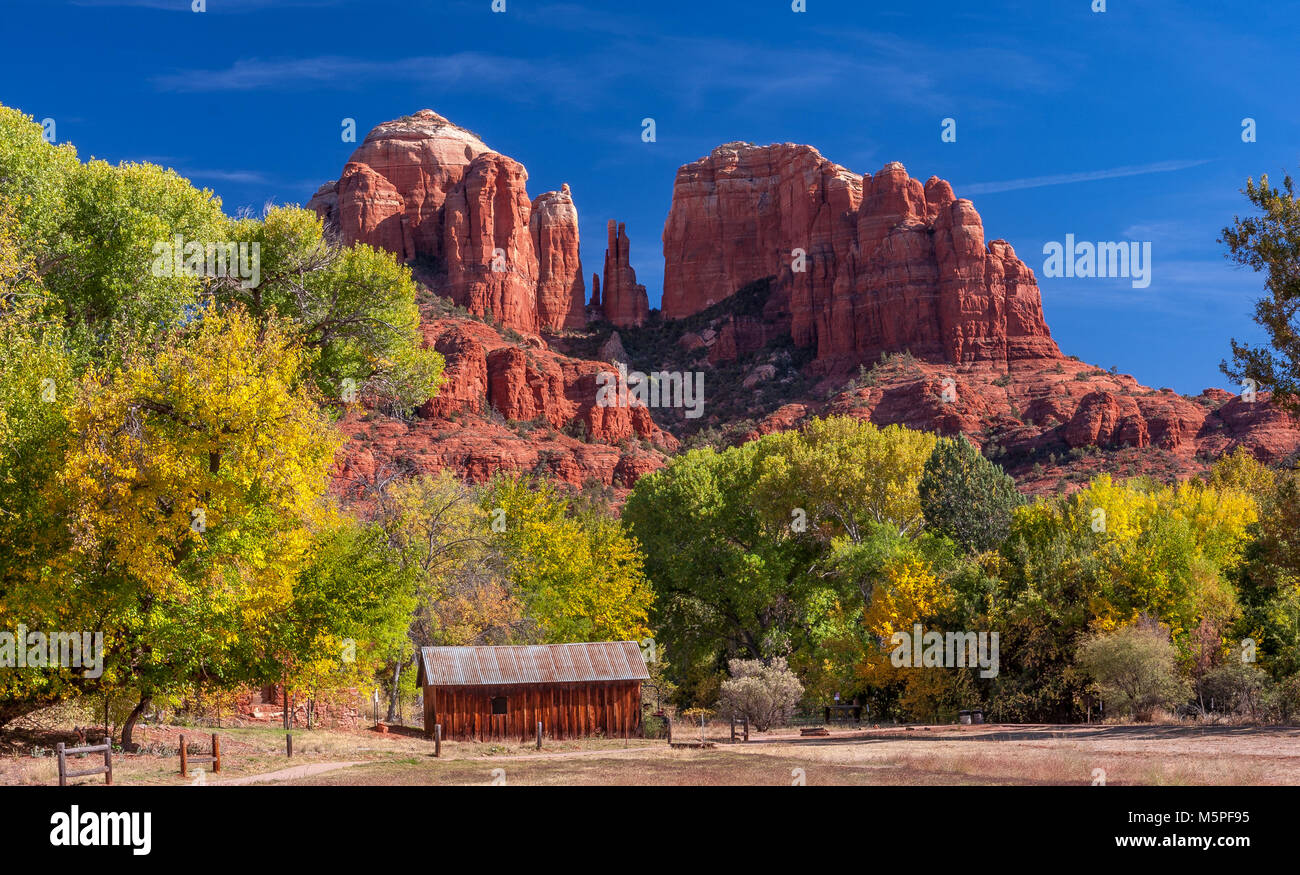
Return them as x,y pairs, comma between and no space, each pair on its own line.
500,693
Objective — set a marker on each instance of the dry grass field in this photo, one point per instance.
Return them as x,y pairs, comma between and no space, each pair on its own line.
939,755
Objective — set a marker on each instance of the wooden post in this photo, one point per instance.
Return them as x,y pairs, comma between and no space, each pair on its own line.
539,735
216,753
63,766
437,739
108,760
184,770
668,722
746,729
288,744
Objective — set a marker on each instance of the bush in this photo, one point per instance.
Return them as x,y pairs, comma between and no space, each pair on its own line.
1283,699
1235,688
766,694
1134,668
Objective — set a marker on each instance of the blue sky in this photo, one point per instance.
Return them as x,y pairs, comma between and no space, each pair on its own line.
1122,125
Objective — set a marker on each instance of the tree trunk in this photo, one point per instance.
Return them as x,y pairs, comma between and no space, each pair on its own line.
392,699
128,728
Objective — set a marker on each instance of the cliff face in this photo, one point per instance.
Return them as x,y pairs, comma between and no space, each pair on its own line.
506,407
423,188
864,265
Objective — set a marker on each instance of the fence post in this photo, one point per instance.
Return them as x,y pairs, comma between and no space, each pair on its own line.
539,735
288,744
216,753
668,722
184,770
108,760
63,766
437,739
746,729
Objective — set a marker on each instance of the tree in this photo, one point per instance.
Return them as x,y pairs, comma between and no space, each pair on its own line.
1101,559
580,578
1270,243
729,575
845,472
1135,669
461,594
765,693
102,258
752,550
33,179
966,497
353,307
191,488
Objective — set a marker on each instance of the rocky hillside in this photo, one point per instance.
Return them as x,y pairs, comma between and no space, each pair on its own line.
798,287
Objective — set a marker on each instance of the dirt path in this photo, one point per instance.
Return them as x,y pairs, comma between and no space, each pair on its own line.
304,771
561,755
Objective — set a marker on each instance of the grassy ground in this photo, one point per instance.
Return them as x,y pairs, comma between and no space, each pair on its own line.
1168,754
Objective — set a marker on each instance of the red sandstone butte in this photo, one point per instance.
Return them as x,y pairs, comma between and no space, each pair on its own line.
863,264
860,266
429,191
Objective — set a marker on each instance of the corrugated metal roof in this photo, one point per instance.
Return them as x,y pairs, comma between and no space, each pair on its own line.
532,664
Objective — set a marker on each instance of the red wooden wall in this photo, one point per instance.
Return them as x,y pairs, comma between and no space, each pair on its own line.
573,710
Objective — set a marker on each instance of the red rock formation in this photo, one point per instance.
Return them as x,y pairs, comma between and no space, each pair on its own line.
561,293
861,265
504,407
864,265
1038,414
487,247
423,188
419,158
626,302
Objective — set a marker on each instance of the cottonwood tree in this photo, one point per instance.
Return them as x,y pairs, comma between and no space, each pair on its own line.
191,488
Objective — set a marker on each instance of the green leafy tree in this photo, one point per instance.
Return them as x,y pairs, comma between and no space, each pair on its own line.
1270,244
353,307
966,497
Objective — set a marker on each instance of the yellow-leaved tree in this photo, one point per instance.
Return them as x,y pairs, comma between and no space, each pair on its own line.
191,487
580,578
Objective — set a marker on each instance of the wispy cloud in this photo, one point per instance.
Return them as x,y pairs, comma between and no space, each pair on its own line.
493,72
245,177
1069,178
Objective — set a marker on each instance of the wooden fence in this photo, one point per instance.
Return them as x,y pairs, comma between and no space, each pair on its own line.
214,757
106,769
